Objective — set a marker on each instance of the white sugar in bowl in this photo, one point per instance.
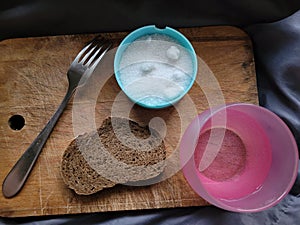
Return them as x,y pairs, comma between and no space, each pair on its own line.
155,67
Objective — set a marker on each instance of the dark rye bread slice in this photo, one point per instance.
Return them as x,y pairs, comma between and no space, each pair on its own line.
120,151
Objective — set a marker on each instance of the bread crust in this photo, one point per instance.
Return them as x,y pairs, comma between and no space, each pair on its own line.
120,151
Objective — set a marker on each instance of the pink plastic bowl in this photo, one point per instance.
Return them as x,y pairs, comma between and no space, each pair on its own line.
239,157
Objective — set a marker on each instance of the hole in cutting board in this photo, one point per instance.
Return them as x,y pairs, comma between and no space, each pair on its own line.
16,122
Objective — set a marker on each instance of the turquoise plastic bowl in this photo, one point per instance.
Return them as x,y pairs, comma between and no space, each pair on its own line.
148,30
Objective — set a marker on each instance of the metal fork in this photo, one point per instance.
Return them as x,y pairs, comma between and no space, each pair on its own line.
82,66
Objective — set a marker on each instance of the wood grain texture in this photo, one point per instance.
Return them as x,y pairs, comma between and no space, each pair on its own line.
33,83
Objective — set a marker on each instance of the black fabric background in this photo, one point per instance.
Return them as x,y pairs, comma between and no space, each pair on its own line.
45,17
274,27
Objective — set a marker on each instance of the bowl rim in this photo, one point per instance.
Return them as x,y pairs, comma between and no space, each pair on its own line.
152,29
294,150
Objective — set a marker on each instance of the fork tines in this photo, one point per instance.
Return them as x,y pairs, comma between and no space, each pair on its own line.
92,53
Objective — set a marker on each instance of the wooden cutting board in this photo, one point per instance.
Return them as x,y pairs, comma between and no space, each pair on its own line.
33,82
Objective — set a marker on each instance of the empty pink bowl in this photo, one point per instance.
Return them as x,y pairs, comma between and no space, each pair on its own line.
239,157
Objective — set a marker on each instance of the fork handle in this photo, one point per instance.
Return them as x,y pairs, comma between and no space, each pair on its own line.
18,175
